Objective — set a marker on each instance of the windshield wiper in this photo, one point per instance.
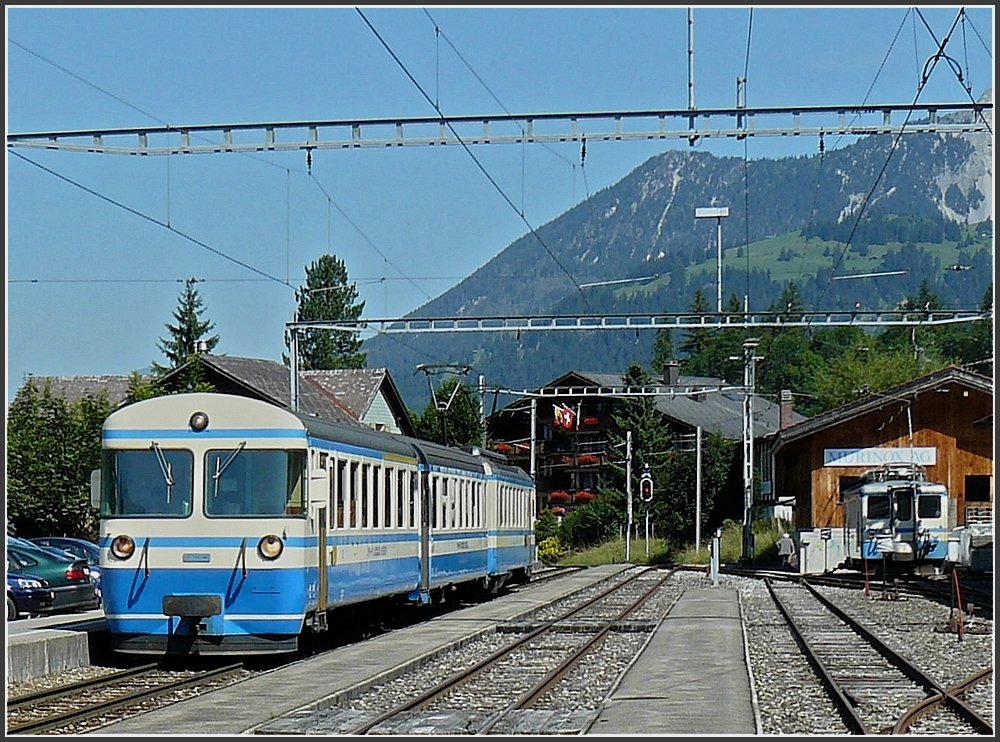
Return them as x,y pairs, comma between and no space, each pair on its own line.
165,468
221,466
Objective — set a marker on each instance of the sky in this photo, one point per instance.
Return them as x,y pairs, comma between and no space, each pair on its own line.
98,245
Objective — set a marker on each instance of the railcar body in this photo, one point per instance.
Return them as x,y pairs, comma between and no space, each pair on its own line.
232,526
895,517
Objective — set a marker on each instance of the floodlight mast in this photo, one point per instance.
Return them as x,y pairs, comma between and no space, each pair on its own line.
716,213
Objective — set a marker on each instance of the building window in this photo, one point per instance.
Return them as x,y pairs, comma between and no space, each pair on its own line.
977,488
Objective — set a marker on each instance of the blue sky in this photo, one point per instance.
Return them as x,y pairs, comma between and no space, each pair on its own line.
92,279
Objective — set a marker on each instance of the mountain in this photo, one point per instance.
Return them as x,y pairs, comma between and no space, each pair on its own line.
843,210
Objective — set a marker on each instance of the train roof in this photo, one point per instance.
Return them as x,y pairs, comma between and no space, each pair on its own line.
434,454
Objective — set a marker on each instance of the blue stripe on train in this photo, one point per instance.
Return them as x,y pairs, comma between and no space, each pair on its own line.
164,433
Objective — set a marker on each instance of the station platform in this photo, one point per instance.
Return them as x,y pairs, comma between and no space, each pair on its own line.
691,678
49,644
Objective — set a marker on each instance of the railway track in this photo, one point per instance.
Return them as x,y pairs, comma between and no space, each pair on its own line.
972,594
89,703
515,679
875,689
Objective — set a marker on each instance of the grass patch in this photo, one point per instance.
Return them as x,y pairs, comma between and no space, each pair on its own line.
766,533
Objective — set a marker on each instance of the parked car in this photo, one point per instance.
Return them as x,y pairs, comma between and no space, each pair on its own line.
78,547
69,577
27,596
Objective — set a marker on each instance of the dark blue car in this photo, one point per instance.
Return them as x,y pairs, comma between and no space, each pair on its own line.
27,596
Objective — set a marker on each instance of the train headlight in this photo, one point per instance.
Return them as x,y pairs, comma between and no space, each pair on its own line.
198,422
123,547
270,547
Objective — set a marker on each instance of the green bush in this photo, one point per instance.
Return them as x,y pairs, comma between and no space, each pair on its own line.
550,549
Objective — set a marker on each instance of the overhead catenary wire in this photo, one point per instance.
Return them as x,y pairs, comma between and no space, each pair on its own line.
928,69
471,154
253,157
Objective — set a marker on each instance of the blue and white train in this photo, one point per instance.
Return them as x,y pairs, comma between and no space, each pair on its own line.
232,526
897,519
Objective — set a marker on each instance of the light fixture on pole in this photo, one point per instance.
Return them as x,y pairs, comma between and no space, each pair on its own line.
717,213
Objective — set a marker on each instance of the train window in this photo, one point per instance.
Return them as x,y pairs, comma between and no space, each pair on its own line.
450,495
343,493
387,493
376,497
435,501
355,499
878,506
253,482
148,482
929,506
401,497
904,503
412,493
365,495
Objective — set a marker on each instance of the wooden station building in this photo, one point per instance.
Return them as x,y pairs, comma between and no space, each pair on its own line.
943,421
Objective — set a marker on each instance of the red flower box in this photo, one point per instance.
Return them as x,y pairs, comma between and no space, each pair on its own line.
559,496
503,447
587,459
584,496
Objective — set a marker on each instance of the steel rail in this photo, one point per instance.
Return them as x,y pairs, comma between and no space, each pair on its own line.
914,673
61,719
463,676
853,720
556,675
912,714
81,685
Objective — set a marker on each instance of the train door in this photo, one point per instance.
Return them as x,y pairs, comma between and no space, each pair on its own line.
904,524
319,500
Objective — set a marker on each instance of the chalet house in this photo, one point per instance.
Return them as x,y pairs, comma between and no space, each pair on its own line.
943,421
569,458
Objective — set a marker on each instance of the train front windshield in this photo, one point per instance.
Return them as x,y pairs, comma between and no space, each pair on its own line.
246,482
159,482
149,482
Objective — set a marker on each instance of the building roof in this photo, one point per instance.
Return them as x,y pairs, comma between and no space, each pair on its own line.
357,388
271,381
901,393
700,401
73,388
342,394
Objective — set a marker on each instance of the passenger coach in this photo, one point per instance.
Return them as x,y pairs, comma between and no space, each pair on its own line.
230,525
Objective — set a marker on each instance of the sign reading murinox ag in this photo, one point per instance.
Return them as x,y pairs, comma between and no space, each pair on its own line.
927,456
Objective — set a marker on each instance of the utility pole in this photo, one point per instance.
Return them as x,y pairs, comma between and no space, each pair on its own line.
482,408
628,495
697,489
749,345
534,436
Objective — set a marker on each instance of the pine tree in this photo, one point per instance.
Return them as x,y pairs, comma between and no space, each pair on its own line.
328,296
189,331
663,349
